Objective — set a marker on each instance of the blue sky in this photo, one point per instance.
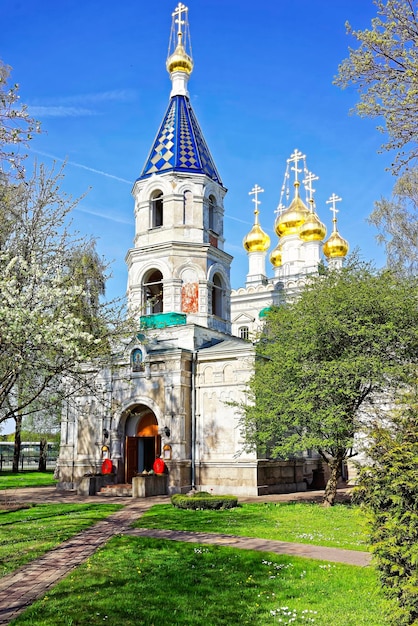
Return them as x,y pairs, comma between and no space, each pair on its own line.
93,72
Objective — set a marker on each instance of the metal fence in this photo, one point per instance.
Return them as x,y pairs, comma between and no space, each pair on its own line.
26,462
29,455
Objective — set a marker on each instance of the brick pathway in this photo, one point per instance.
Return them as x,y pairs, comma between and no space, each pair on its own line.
21,588
335,555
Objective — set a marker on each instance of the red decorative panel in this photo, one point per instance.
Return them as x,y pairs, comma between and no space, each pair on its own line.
190,298
213,241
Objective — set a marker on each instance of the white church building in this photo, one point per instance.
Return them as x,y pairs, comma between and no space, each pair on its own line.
172,390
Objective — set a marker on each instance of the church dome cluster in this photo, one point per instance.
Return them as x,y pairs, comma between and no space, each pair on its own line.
297,222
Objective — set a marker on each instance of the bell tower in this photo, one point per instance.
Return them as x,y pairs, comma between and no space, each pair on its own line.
178,263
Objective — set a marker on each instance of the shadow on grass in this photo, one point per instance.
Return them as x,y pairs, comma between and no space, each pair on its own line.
134,581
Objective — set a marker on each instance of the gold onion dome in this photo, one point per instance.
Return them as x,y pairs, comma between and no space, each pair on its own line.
179,60
290,221
336,246
256,240
313,229
276,256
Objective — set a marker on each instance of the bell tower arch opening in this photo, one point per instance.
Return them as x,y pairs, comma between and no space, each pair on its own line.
153,292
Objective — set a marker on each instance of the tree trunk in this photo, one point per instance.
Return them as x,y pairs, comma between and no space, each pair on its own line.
43,447
331,486
17,446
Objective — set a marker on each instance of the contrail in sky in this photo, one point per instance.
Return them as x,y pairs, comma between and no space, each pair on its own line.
122,180
83,167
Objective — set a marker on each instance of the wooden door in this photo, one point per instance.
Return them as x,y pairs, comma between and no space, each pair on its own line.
131,458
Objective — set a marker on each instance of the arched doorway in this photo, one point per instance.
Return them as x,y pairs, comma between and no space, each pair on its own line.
142,442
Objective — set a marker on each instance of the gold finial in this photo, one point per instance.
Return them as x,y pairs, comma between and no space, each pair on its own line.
295,158
179,56
256,240
308,180
254,192
289,221
333,199
313,229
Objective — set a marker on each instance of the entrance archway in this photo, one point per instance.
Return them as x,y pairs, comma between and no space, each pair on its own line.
142,442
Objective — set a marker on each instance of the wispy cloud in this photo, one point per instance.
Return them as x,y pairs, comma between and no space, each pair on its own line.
237,219
234,249
79,105
115,95
105,216
59,111
83,167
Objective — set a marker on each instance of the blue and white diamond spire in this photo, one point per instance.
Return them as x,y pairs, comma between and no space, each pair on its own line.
180,145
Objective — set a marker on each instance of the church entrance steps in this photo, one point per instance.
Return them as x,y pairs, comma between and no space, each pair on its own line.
123,490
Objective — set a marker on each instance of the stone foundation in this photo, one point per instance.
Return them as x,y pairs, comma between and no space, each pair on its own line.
280,477
145,486
253,478
90,485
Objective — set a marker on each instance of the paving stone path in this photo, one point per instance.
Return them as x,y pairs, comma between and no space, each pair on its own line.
22,587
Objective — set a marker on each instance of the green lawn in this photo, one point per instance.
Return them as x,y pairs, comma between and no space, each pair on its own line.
28,533
341,526
140,581
27,478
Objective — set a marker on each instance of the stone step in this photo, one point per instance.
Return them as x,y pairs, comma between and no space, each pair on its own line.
123,490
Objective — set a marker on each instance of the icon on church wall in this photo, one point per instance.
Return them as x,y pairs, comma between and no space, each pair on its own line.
137,361
190,298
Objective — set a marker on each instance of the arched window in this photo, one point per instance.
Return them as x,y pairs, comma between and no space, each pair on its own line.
217,296
157,209
153,292
212,215
187,207
244,332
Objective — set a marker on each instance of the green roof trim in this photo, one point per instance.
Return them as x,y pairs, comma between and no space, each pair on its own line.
264,312
162,320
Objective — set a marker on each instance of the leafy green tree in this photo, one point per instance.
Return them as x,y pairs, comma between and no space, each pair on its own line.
385,70
323,359
388,490
397,222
